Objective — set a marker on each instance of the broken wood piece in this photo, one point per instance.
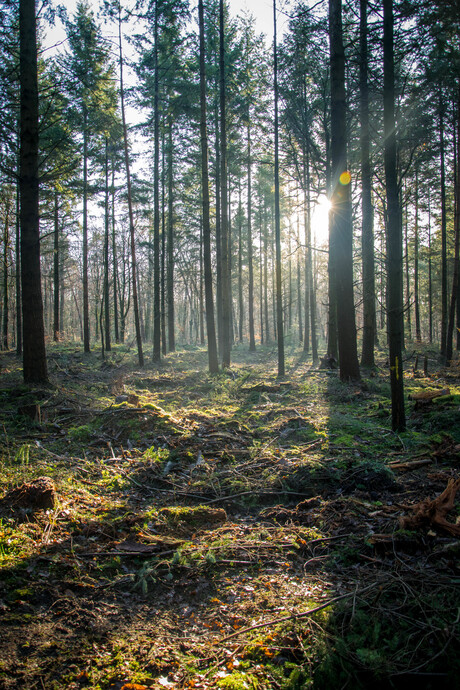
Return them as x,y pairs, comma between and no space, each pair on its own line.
433,512
410,465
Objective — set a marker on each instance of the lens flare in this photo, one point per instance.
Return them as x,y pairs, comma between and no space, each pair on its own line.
345,178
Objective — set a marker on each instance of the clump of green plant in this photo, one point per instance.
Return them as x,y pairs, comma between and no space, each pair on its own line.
156,455
239,681
81,434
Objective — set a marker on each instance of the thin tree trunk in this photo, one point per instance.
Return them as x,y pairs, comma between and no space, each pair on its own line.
394,230
209,302
408,296
430,277
252,340
114,261
240,270
106,290
455,279
18,276
418,331
369,316
279,296
299,281
170,247
163,255
56,270
137,323
443,231
86,333
156,201
226,303
6,243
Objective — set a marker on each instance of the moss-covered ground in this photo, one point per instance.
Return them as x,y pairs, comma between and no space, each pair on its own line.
231,531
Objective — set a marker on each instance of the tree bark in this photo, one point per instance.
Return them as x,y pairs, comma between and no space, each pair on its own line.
86,332
209,302
341,248
107,342
279,295
369,317
56,271
137,322
252,340
34,352
393,226
226,303
443,231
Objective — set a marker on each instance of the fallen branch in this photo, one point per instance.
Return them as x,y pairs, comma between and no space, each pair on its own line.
295,616
410,465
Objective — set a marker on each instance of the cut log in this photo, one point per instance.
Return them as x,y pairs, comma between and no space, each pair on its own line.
428,395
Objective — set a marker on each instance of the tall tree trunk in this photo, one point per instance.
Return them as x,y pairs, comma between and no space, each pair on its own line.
261,280
137,322
369,316
443,231
107,343
299,281
18,274
209,302
56,270
6,244
163,252
430,277
226,303
86,333
406,261
418,331
455,278
279,295
252,340
156,200
170,247
342,229
394,229
240,270
34,352
114,261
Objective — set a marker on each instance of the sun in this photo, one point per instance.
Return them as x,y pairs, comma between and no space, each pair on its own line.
320,222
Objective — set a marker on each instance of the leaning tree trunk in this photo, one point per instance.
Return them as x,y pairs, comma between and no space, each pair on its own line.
393,227
34,352
341,249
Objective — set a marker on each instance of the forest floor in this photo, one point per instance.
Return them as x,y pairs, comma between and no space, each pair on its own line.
231,531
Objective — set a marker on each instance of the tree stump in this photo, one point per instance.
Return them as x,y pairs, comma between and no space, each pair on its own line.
35,495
